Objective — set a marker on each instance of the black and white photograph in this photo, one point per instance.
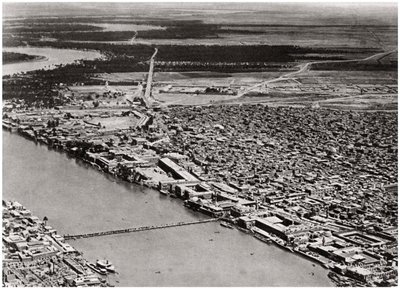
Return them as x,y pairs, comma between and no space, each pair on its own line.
200,144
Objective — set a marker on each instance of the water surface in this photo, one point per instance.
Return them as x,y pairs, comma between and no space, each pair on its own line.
54,56
77,199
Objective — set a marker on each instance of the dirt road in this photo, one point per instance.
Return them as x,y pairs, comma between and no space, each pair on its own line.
306,66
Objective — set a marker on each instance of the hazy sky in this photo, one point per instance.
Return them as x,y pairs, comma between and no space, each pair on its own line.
364,12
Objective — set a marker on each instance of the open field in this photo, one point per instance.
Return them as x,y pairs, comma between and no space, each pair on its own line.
191,77
246,27
109,118
122,76
209,78
104,96
310,36
233,49
190,99
109,26
347,89
363,102
115,123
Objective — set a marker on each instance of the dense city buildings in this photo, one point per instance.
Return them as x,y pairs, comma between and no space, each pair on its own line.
320,183
35,255
263,127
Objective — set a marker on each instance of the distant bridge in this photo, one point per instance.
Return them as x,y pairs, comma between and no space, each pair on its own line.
137,229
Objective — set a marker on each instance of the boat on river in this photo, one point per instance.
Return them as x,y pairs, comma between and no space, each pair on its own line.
96,269
226,225
105,264
164,192
263,238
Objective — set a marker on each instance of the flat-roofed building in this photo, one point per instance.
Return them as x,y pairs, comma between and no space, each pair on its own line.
175,170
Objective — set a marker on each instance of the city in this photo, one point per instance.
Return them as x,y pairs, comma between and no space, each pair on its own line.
307,167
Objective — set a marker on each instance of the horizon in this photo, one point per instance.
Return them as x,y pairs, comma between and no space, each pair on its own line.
384,13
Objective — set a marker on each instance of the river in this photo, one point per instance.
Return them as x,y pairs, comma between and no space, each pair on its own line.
54,56
76,198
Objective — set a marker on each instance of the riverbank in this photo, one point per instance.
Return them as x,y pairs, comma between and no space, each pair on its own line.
31,245
50,58
72,153
176,252
199,194
141,153
11,58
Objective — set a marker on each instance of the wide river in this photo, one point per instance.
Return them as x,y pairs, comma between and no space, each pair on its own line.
53,57
79,199
76,199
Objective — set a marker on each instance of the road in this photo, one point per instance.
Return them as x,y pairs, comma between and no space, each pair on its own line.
306,66
147,94
132,41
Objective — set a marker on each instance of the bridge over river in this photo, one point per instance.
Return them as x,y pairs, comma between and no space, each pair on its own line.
137,229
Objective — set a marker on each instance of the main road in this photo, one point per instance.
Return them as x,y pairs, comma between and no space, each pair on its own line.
147,94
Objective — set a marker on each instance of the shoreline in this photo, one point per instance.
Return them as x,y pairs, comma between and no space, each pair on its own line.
78,150
55,253
38,58
322,275
43,58
51,47
98,168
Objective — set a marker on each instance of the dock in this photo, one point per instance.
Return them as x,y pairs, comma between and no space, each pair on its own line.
137,229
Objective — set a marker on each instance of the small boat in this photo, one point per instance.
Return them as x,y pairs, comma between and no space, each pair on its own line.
243,230
263,239
226,225
96,269
164,192
327,265
288,248
111,269
105,264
